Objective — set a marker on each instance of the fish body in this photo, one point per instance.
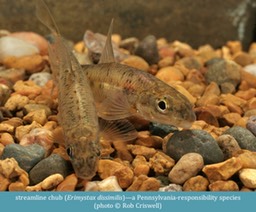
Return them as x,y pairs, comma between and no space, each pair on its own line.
76,110
121,91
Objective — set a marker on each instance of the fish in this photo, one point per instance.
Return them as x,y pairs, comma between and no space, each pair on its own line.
121,91
76,110
82,129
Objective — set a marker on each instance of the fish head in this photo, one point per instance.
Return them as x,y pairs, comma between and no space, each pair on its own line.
167,106
84,155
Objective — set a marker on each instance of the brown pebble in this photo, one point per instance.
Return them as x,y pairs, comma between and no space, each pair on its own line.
51,181
144,183
244,189
122,151
16,102
141,150
1,149
6,138
220,185
248,177
24,130
223,170
187,166
243,58
161,163
170,73
136,62
166,61
16,186
39,116
231,118
69,183
141,166
124,174
228,145
145,139
5,182
197,183
31,63
246,94
27,88
247,159
234,46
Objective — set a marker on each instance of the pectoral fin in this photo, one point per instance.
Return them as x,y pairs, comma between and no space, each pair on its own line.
107,55
114,107
121,130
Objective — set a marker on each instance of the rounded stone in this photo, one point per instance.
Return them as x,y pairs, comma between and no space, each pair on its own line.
197,141
51,165
147,49
161,130
243,136
26,156
224,72
41,78
251,124
188,166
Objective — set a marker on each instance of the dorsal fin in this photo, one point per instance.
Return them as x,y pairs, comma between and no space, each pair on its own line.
107,55
45,16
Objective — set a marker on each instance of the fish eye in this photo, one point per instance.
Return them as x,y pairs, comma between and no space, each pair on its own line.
70,152
162,105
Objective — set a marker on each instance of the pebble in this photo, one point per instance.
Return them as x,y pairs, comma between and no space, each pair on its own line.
27,157
221,185
145,139
248,177
1,149
41,78
147,49
228,145
247,159
11,46
6,138
136,62
51,181
188,166
141,166
68,184
40,136
223,170
197,141
38,116
223,72
10,125
243,136
169,74
144,183
124,174
108,184
13,177
251,69
141,150
171,187
25,129
129,44
234,46
161,163
16,102
33,38
197,183
51,165
161,130
27,88
243,58
251,124
13,74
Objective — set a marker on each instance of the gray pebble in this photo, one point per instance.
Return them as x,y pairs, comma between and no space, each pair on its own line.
251,124
26,156
225,73
40,78
161,130
51,165
147,49
197,141
243,136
